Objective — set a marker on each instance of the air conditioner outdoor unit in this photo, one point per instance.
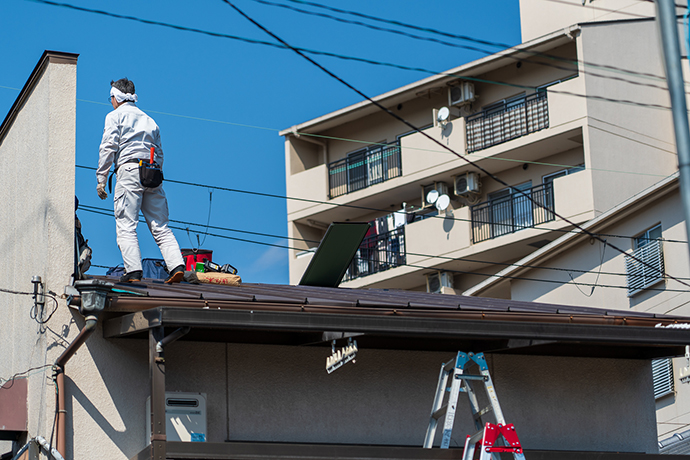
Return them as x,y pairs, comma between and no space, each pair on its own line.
466,184
185,417
461,94
439,282
440,187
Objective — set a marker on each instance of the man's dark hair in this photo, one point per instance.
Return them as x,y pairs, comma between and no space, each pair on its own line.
124,85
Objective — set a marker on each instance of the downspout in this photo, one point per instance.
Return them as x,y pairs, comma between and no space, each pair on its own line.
59,370
308,138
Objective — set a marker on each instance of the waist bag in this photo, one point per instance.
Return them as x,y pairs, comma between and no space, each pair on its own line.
150,174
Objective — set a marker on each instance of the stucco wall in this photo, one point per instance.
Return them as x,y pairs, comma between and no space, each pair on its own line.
37,232
630,144
538,18
279,393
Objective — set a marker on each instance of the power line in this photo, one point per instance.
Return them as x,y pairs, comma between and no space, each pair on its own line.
301,53
12,379
607,10
410,125
350,58
388,211
456,45
107,212
572,282
474,40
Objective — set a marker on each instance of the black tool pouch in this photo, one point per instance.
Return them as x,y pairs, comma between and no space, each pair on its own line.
150,175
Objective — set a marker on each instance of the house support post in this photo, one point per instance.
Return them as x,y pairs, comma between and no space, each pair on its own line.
157,374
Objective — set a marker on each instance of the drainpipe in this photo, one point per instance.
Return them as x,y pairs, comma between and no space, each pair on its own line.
93,297
321,143
59,371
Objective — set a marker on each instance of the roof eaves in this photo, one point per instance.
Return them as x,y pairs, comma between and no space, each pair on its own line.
559,245
468,69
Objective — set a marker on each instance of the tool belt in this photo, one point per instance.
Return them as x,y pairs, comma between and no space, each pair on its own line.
150,174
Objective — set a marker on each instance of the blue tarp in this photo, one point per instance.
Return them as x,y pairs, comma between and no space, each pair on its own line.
153,269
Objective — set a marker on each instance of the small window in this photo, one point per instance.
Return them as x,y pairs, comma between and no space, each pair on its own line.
645,266
662,377
564,172
649,236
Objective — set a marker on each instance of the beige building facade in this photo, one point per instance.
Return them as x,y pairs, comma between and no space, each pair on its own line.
577,116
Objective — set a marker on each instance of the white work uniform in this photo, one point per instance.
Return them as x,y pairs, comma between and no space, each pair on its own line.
131,133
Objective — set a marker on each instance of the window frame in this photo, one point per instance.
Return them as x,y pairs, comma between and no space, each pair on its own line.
640,277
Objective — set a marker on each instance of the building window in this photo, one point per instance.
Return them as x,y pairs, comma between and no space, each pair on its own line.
564,172
645,266
364,168
662,377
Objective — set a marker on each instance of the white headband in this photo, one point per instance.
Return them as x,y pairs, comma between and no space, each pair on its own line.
120,96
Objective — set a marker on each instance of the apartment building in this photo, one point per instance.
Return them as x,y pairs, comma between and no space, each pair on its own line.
541,117
573,117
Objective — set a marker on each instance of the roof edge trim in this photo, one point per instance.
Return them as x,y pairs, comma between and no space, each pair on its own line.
48,57
464,68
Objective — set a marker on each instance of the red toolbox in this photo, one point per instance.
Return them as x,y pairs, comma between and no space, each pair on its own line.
192,256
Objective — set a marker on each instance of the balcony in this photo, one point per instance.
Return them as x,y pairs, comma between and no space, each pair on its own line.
378,253
506,121
513,212
364,168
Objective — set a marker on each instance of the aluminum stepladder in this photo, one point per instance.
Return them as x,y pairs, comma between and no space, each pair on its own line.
453,379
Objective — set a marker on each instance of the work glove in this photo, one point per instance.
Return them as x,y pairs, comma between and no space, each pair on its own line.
102,194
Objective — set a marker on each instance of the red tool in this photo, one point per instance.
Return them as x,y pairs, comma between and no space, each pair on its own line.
151,155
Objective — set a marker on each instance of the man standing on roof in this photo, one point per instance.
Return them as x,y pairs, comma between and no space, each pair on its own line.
128,137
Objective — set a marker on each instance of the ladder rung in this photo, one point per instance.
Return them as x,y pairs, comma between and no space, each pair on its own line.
483,412
470,377
439,413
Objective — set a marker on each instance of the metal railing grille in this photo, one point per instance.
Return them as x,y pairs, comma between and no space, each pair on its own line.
642,275
364,169
514,119
662,377
378,253
511,213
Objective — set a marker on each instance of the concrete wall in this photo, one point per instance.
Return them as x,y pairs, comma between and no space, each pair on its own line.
277,393
539,18
37,230
631,144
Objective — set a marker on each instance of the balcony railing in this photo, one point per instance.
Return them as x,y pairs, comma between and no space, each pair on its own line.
513,212
364,168
378,253
507,121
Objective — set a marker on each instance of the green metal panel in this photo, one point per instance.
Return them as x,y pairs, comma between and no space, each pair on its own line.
334,254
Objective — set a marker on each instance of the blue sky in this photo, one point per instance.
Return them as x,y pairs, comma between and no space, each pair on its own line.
221,102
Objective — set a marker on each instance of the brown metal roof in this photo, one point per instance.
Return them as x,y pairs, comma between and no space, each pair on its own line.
301,315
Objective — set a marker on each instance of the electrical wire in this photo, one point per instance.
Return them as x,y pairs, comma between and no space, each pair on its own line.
352,58
452,270
301,53
366,208
598,8
475,40
105,212
34,312
12,379
410,125
465,47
